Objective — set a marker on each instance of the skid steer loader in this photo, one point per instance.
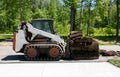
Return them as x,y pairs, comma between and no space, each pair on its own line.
38,40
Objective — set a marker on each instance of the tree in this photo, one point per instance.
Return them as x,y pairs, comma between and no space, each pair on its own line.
89,17
85,15
117,19
81,11
53,9
72,15
73,5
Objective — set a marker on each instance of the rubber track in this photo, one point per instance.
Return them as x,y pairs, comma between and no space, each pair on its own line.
38,58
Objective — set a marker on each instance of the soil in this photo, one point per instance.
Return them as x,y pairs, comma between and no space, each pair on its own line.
5,43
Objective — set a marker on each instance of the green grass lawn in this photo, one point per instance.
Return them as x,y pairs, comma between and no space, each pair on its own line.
107,40
6,36
115,62
103,40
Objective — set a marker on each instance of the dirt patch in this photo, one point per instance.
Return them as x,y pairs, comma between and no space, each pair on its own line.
107,53
6,44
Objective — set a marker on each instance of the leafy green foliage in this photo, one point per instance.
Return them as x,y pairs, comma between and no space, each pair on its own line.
101,15
5,37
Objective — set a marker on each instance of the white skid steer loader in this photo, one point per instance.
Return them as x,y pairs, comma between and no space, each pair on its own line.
38,41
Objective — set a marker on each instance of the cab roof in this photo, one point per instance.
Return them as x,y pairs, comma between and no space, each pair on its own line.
44,19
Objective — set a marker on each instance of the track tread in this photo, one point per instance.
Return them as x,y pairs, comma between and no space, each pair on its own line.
38,58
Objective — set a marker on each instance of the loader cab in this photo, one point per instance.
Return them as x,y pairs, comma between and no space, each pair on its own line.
43,24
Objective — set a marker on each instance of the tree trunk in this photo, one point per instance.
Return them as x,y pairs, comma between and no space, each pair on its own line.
117,17
89,18
109,10
72,17
81,10
109,14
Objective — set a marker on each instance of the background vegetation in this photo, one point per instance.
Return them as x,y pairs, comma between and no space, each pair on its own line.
93,17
